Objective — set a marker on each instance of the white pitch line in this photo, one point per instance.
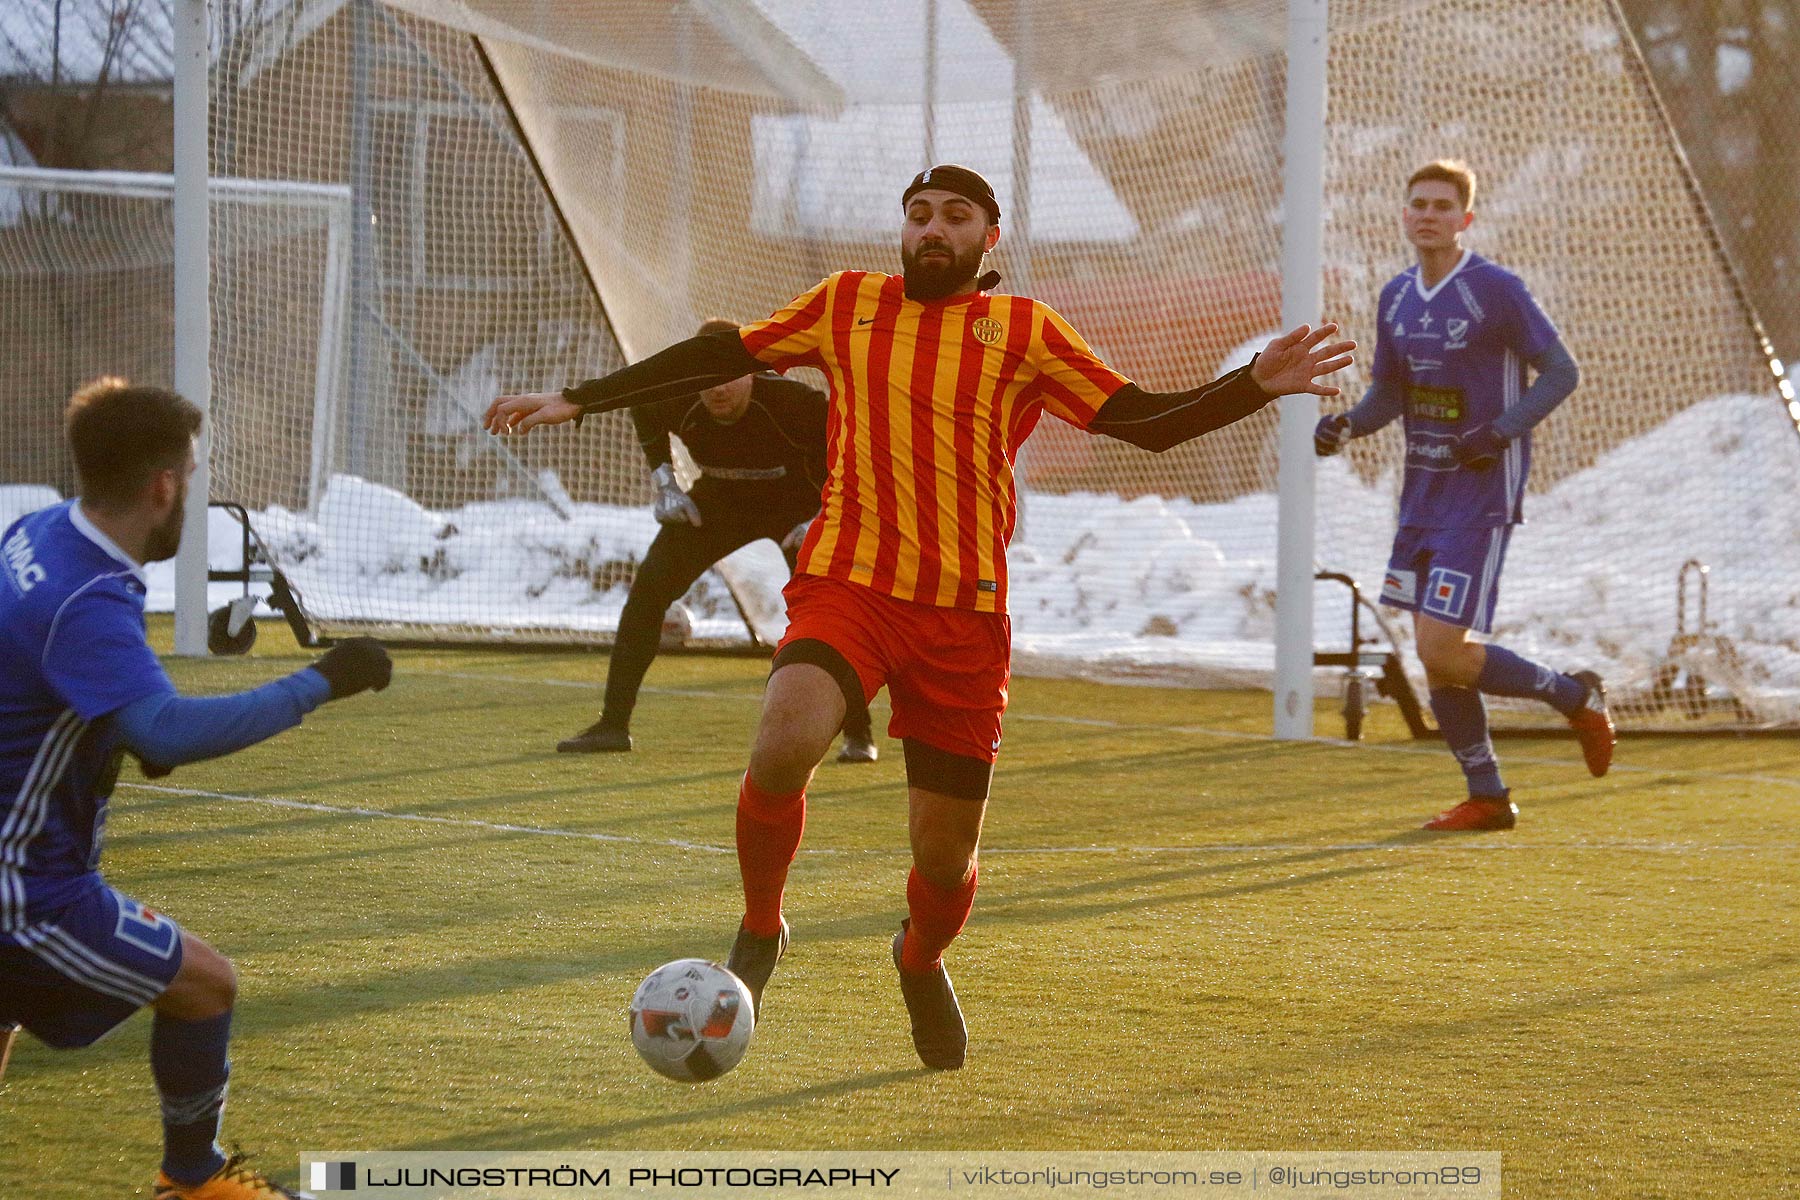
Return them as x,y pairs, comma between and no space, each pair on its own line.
426,819
1209,848
1189,730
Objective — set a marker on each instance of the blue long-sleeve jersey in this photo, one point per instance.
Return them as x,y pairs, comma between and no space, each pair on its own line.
79,686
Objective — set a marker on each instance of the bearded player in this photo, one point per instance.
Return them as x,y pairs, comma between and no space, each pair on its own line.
935,384
80,688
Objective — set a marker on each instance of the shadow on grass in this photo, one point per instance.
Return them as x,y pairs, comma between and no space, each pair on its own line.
1162,876
580,1137
1491,1027
346,999
285,816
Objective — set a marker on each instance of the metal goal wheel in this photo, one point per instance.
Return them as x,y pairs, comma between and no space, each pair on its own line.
231,630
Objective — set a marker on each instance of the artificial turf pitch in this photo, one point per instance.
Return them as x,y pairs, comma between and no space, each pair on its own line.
1187,937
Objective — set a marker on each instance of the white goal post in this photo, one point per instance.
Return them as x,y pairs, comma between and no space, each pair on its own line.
87,264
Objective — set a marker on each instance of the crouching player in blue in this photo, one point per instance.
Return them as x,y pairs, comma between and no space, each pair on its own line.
79,689
1456,335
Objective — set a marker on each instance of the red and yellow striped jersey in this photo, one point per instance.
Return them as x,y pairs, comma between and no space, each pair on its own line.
930,401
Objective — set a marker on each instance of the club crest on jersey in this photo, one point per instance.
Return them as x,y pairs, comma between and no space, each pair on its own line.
1456,328
146,929
987,331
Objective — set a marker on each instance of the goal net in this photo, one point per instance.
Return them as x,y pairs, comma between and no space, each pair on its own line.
463,284
544,190
87,288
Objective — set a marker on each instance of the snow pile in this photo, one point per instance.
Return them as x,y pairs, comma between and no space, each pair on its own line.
1143,586
375,555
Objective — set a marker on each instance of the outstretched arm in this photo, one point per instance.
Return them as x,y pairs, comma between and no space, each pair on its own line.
1293,362
686,367
168,730
1158,420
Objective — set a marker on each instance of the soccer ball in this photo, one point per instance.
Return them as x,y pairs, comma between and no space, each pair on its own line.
691,1020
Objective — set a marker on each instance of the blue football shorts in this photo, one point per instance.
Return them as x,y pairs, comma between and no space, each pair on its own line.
1450,574
74,977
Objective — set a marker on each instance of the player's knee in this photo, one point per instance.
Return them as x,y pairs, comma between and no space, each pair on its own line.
1449,660
944,821
781,762
1434,658
218,982
944,858
791,739
944,853
205,986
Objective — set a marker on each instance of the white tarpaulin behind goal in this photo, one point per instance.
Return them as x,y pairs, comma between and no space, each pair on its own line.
710,158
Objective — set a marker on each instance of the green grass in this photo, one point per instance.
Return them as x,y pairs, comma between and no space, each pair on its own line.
1187,937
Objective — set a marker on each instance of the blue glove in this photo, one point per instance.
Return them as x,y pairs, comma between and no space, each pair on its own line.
1330,434
1480,448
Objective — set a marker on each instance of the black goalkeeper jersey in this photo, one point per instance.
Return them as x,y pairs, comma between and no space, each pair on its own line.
779,441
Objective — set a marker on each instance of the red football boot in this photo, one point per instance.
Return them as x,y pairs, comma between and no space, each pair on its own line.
1593,725
1477,814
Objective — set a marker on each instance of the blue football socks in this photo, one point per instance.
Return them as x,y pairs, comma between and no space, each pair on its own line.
1506,674
188,1061
1462,718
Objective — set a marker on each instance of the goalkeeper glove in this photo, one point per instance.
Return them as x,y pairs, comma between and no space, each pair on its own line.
355,666
673,506
1330,434
1480,448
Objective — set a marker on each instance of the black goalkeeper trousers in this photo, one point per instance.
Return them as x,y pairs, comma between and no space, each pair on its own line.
730,517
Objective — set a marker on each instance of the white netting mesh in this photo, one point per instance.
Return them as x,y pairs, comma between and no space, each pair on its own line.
87,285
715,157
351,360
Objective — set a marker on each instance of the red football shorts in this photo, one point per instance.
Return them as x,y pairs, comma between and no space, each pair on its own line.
946,669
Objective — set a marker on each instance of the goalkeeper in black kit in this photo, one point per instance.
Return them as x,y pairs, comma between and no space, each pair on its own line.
759,442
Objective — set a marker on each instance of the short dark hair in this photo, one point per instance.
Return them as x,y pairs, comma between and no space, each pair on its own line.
1452,171
121,435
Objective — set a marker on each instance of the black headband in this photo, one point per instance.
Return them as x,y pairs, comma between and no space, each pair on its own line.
948,177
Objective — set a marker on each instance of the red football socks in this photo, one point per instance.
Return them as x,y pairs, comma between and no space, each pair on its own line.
938,915
768,835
